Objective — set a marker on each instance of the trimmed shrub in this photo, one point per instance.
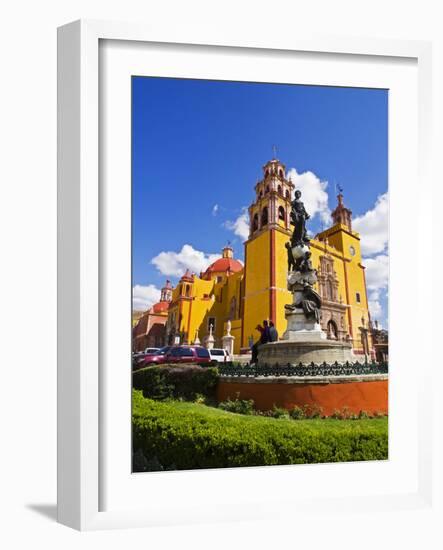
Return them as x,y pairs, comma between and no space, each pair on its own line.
297,413
189,436
239,406
313,411
188,382
279,412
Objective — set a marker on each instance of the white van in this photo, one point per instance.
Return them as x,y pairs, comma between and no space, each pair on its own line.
219,355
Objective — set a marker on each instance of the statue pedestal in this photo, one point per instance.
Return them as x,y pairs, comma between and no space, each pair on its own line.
209,341
301,329
304,341
228,343
305,351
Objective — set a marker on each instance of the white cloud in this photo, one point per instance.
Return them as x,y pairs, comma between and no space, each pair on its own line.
314,195
215,209
176,263
373,227
377,273
375,309
240,226
143,297
377,277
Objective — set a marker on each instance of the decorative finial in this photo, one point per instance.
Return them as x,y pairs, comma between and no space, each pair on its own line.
338,188
274,151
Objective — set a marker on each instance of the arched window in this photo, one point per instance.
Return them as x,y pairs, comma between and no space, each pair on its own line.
255,222
260,194
267,189
266,173
287,194
332,331
264,216
281,213
281,173
279,189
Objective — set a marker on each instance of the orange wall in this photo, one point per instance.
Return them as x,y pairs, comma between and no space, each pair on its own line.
369,396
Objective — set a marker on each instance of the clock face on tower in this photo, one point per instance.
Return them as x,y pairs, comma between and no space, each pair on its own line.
352,250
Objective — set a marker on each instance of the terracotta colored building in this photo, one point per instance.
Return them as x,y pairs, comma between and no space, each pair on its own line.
150,330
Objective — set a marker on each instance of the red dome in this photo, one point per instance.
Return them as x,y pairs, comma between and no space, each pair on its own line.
223,265
160,307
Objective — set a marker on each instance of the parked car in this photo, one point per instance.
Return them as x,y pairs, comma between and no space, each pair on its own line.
188,354
150,351
139,356
219,355
155,358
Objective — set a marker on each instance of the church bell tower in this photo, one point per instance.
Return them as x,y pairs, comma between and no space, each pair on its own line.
265,291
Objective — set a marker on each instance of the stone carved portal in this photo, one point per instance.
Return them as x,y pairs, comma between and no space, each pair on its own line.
333,312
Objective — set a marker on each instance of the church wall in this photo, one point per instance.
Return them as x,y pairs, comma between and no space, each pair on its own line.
257,283
357,284
198,311
283,296
352,279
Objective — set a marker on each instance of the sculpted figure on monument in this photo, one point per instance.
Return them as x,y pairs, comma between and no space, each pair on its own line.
310,303
292,265
298,218
305,264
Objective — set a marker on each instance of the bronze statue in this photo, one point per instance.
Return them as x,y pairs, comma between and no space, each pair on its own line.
298,218
292,264
301,275
310,303
305,264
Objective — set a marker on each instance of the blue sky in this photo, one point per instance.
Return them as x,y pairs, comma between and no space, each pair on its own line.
198,147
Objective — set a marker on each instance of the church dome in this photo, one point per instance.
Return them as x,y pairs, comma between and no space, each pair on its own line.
226,264
160,307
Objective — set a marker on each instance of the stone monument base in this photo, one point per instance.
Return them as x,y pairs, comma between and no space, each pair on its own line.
311,348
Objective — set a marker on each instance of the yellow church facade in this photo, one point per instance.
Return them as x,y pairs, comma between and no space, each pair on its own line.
248,294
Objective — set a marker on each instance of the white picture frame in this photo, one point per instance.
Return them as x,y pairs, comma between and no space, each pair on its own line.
80,260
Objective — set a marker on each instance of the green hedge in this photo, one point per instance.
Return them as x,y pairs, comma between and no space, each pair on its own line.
168,382
174,435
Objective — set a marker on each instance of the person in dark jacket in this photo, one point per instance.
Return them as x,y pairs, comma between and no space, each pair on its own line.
265,334
265,337
273,334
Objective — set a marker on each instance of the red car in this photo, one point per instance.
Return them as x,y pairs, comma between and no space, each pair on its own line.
154,358
177,354
188,354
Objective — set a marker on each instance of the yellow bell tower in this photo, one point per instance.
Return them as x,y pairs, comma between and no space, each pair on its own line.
265,291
